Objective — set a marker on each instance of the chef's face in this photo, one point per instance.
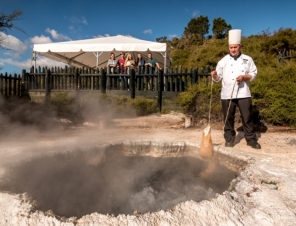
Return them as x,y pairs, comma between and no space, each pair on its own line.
234,49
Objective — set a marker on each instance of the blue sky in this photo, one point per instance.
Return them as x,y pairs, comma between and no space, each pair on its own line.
47,21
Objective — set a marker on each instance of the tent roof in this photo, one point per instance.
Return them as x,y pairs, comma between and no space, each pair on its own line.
119,43
95,52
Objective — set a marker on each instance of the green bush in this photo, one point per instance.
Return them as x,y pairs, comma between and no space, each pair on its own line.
65,105
274,94
196,100
144,106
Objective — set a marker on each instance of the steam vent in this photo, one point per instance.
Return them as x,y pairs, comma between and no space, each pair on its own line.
141,175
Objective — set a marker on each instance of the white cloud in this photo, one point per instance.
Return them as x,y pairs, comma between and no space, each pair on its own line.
102,36
74,29
22,65
173,36
84,21
12,54
148,31
40,39
75,20
27,64
56,35
13,43
195,13
44,61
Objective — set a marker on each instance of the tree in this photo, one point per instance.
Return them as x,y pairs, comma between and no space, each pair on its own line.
6,21
220,28
198,26
162,39
283,40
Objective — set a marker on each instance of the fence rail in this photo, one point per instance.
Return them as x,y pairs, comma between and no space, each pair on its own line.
176,80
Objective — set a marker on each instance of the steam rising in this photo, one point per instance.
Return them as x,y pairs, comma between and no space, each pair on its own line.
82,182
107,181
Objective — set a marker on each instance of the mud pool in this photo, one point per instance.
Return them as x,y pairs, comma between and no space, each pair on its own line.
113,181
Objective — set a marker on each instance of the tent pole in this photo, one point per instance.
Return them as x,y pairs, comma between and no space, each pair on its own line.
165,62
97,56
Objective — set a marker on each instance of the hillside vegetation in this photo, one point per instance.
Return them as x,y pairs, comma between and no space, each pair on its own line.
273,91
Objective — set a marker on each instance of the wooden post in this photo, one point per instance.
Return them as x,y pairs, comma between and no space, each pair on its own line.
132,83
9,86
160,89
176,83
47,86
185,80
75,79
171,80
138,80
166,84
141,83
24,93
103,81
194,76
5,84
1,84
14,82
97,79
19,85
23,87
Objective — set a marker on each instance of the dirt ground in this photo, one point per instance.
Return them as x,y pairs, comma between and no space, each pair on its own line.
273,139
271,175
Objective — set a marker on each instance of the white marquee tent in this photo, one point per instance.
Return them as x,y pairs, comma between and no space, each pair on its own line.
94,53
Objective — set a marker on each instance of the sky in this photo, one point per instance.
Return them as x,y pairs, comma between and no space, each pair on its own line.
46,21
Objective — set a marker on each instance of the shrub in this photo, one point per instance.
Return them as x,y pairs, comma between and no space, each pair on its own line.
196,100
91,106
144,106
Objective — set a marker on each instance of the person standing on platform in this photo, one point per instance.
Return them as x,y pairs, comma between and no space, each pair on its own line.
112,64
152,64
121,62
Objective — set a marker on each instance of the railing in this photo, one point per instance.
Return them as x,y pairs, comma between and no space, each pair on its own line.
285,55
10,85
177,80
74,79
139,79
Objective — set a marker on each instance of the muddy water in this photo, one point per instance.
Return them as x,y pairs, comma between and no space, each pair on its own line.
107,181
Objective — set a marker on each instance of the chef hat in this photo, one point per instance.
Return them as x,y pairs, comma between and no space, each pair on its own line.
234,36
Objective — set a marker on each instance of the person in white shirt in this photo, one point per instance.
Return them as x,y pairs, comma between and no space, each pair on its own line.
235,71
112,64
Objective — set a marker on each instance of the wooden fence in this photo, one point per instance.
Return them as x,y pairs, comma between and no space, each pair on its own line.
285,55
10,85
176,80
74,79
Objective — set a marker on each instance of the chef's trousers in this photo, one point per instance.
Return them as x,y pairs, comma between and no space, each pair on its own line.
245,108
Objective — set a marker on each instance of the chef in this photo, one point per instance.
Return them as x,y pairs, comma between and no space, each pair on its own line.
235,71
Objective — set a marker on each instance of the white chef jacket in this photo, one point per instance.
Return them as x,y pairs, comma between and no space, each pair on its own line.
228,69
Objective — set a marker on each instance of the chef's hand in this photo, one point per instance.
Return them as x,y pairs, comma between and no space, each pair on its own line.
214,75
240,78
